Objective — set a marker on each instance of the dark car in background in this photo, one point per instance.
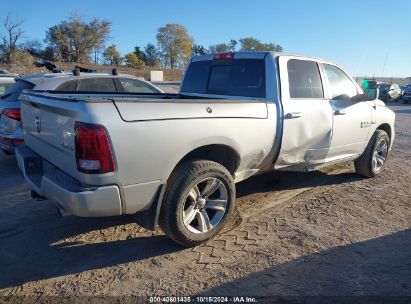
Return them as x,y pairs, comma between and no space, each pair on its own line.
389,91
406,96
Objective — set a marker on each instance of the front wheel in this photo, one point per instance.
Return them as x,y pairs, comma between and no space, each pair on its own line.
372,161
198,201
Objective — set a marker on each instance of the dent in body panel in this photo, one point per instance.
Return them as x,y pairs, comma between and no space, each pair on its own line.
250,164
300,141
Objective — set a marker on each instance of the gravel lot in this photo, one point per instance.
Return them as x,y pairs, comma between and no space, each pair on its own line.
322,233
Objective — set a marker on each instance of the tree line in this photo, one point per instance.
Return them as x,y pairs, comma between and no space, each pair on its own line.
75,40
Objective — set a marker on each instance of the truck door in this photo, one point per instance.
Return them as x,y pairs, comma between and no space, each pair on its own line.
307,113
351,119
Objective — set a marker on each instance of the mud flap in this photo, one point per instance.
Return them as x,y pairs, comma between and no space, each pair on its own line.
148,219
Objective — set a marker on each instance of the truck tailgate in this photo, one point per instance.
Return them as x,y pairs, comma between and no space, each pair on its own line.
48,125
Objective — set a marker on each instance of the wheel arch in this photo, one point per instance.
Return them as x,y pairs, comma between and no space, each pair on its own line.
220,153
387,128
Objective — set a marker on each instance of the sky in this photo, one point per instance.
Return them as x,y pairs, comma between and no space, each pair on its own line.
368,38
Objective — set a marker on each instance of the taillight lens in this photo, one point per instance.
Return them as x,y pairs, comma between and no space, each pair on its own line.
224,56
11,140
12,113
93,149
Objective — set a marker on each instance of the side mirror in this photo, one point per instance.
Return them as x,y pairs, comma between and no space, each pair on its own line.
369,95
371,91
372,94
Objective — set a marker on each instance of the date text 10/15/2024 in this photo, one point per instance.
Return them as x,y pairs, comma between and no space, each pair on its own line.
202,299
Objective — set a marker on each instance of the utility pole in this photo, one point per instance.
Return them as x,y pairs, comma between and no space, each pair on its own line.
385,62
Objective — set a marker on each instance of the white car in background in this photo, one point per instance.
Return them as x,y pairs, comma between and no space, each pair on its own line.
6,80
11,133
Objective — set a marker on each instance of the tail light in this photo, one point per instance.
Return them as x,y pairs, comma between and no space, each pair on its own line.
11,140
224,56
93,149
13,113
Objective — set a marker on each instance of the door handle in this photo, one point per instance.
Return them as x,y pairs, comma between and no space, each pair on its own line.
293,115
340,112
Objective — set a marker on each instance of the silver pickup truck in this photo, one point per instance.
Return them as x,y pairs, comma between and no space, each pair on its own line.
175,159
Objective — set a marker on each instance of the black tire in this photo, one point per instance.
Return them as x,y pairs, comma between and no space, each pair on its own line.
364,164
181,181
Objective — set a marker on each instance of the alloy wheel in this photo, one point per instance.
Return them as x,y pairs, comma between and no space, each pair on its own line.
205,205
380,154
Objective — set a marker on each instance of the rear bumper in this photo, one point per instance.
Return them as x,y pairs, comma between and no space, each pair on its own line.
71,196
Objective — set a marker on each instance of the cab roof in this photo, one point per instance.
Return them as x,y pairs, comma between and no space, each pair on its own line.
254,55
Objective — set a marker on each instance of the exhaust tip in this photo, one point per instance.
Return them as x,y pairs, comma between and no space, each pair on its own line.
36,196
63,212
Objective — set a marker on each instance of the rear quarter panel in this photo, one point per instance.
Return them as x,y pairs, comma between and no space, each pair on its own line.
148,150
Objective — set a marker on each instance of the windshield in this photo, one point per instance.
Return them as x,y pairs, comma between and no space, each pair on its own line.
239,77
13,92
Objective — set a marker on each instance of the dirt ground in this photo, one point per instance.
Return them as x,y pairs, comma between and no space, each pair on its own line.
321,233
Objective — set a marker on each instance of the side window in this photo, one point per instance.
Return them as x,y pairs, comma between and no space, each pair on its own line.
341,85
97,85
136,86
3,87
304,79
70,85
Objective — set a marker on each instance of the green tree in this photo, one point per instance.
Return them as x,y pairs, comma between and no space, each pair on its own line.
48,54
253,44
139,53
111,55
176,44
224,47
132,60
151,55
74,39
199,50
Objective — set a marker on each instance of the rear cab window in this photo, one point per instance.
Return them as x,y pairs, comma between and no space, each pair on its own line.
97,85
237,77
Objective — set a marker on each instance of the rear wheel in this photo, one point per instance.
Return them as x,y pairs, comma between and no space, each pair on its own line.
198,201
372,161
